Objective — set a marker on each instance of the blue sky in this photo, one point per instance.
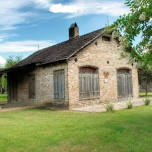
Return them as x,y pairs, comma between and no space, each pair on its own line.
26,25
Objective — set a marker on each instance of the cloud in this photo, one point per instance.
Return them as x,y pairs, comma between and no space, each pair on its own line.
2,61
42,3
12,12
85,7
24,46
3,37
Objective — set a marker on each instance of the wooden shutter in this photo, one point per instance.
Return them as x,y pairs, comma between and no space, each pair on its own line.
96,84
129,86
88,82
32,86
124,83
59,84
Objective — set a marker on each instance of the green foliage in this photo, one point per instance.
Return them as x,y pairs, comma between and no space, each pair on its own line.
145,79
4,82
109,29
110,107
129,105
137,24
143,94
11,61
147,101
3,98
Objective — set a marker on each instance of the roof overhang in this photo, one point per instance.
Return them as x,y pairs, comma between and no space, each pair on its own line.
15,69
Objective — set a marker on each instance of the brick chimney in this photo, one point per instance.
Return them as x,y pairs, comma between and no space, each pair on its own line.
73,31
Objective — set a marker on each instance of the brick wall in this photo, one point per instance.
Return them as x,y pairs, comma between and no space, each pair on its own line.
45,84
101,54
44,88
106,56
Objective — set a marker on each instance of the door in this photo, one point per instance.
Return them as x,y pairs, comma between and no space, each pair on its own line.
59,84
124,80
32,86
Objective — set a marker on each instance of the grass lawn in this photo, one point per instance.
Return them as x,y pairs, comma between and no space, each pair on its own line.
143,94
36,130
3,98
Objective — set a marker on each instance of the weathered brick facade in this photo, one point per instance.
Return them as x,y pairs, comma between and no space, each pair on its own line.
44,86
103,55
106,57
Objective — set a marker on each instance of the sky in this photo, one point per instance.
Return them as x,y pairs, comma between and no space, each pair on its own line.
29,25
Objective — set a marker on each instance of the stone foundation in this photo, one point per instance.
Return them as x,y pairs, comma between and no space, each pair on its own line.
117,106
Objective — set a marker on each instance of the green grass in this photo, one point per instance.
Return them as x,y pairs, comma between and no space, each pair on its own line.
143,94
3,98
36,130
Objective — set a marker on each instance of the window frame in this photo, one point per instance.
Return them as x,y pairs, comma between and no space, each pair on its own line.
125,72
58,97
89,96
106,38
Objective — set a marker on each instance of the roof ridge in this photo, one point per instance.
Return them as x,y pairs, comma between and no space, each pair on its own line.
60,43
83,45
86,43
61,51
41,50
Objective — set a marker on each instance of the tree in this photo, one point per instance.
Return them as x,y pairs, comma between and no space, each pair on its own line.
145,80
134,32
136,25
11,61
3,83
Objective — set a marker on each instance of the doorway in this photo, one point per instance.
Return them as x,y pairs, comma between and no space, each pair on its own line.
124,83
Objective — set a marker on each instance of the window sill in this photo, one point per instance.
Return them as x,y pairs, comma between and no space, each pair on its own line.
32,99
59,100
90,98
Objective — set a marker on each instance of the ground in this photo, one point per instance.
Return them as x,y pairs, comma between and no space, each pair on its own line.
3,98
143,94
35,130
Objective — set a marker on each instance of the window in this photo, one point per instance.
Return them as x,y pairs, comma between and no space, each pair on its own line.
89,82
59,84
124,80
32,86
106,38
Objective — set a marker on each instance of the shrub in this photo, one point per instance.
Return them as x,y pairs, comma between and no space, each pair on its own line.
110,107
129,105
147,101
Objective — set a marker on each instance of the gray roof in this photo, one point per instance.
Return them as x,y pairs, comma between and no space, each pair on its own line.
59,52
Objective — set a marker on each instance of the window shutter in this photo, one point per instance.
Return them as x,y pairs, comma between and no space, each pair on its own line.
88,82
124,81
59,84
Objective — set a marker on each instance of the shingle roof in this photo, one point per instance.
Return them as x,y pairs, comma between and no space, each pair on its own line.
59,52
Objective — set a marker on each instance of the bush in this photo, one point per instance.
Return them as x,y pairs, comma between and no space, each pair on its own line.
129,105
110,107
147,101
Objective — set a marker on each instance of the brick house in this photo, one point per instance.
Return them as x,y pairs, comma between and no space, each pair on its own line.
84,70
